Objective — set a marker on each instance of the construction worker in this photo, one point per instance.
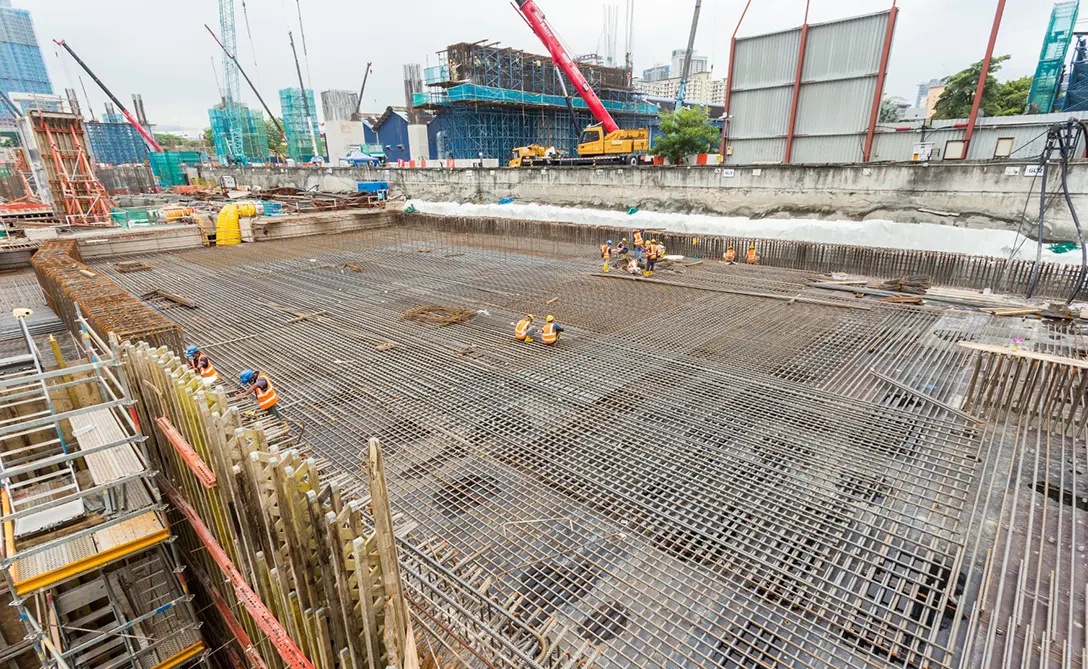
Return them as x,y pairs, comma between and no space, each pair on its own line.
638,245
651,257
730,255
621,250
632,265
202,365
753,256
525,330
260,385
660,250
606,253
551,331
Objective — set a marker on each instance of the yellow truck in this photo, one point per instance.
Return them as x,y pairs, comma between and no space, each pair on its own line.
595,147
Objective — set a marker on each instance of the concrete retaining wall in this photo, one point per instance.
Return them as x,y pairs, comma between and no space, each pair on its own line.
981,195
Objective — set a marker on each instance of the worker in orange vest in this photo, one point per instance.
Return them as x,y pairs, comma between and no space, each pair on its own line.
202,365
551,331
260,385
753,257
730,255
651,257
524,330
638,245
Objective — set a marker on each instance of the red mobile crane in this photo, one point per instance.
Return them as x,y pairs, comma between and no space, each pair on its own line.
602,142
151,143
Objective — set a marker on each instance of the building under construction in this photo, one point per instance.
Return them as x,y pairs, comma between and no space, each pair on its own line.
717,466
490,99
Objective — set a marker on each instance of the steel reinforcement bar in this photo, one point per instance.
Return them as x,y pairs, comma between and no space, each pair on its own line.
948,269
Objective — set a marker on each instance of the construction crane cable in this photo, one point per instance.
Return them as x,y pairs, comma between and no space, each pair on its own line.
241,71
252,45
305,52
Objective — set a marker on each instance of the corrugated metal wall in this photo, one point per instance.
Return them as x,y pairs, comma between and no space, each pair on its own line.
838,83
1028,133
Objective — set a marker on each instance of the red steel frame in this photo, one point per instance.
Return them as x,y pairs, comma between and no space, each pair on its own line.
729,80
190,457
288,651
982,77
239,632
75,213
796,87
874,114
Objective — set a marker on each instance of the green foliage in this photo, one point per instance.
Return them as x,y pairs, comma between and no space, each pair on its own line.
998,99
686,131
1014,96
276,143
209,139
170,141
889,111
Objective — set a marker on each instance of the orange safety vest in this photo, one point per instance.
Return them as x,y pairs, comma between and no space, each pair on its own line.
266,399
651,251
638,239
550,334
522,330
730,255
752,257
606,252
208,372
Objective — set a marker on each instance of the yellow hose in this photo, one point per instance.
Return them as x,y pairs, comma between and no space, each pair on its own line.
227,230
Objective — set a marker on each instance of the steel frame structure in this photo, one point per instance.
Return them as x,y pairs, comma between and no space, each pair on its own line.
78,197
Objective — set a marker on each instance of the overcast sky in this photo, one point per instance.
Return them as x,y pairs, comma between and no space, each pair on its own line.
159,48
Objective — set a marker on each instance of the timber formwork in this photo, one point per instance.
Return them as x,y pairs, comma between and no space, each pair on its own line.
712,474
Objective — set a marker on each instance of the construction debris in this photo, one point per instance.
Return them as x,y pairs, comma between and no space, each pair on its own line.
914,284
131,266
436,314
179,300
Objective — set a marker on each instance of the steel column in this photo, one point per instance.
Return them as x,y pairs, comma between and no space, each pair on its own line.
874,114
729,80
796,88
982,77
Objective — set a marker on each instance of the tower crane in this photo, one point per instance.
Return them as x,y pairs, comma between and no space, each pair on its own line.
682,89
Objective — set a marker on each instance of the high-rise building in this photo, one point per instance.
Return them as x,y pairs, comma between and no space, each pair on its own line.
656,73
698,63
923,91
22,69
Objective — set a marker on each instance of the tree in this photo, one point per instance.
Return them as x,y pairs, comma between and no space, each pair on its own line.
276,144
959,92
685,131
209,139
889,111
1014,96
170,141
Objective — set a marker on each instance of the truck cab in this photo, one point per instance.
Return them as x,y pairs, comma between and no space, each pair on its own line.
594,142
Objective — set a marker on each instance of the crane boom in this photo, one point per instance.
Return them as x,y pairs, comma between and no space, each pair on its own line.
358,115
682,89
535,18
139,128
253,88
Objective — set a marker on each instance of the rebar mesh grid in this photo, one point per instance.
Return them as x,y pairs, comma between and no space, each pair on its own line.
689,479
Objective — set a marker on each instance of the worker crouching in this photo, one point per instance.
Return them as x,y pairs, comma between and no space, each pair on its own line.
752,258
260,385
551,331
202,365
525,329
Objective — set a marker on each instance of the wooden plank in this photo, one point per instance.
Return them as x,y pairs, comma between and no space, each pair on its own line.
1024,354
731,291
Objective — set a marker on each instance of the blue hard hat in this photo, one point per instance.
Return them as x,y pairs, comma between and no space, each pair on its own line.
609,241
190,351
247,376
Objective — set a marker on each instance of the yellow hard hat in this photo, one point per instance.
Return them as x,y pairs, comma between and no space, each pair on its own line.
550,318
624,239
753,245
529,316
653,241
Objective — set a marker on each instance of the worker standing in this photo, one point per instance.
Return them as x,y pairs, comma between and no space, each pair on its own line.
260,385
730,255
651,257
753,256
606,253
638,245
524,330
551,331
202,365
